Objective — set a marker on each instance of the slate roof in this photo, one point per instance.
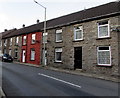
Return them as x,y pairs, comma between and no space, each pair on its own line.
102,11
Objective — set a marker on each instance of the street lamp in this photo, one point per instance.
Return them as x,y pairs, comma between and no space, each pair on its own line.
44,27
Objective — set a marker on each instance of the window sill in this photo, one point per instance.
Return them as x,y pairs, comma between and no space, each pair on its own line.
104,65
58,62
103,38
32,60
24,45
33,43
78,40
59,41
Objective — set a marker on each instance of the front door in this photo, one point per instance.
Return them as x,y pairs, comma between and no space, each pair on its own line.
78,57
23,56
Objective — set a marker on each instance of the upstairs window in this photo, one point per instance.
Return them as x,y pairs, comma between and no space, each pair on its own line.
103,29
24,40
17,40
58,52
59,35
104,56
78,33
10,41
33,38
45,37
5,42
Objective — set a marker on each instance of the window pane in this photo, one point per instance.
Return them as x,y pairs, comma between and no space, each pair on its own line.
103,48
79,34
24,40
104,57
58,56
58,37
103,31
33,38
32,54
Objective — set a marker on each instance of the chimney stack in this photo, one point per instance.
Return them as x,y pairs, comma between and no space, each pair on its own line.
38,21
23,25
5,30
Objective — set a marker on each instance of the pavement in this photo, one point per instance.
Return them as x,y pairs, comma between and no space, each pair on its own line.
1,93
76,72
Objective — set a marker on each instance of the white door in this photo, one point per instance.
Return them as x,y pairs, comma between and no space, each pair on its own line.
23,56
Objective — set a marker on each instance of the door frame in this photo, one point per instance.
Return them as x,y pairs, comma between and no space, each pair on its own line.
23,59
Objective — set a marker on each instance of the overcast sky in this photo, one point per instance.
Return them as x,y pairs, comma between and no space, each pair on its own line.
15,13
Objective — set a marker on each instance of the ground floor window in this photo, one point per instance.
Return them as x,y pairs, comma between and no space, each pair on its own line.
16,53
10,51
32,57
104,55
58,52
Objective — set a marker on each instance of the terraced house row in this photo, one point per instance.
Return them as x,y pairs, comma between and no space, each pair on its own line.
88,40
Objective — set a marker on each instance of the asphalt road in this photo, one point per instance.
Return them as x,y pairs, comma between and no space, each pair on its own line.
22,80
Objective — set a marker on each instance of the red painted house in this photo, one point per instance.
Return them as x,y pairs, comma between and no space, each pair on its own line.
31,48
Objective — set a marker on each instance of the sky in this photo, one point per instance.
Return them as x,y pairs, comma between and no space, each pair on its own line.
15,13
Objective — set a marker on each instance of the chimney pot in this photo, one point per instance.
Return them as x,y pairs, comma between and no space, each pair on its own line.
38,21
23,25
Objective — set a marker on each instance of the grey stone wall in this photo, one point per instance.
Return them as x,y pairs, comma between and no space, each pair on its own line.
13,47
89,47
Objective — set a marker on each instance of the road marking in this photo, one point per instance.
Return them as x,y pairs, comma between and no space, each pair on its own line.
59,80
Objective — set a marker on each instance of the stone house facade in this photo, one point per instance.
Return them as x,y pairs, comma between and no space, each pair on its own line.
11,44
82,45
89,45
88,40
15,47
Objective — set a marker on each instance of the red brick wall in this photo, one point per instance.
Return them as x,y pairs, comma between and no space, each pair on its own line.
36,46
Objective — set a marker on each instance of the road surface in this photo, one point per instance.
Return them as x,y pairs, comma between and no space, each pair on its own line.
22,80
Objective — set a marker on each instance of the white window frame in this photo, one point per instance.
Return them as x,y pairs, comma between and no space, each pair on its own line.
33,38
11,41
58,32
57,50
32,57
104,51
103,26
10,52
45,35
75,30
24,40
5,42
17,40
